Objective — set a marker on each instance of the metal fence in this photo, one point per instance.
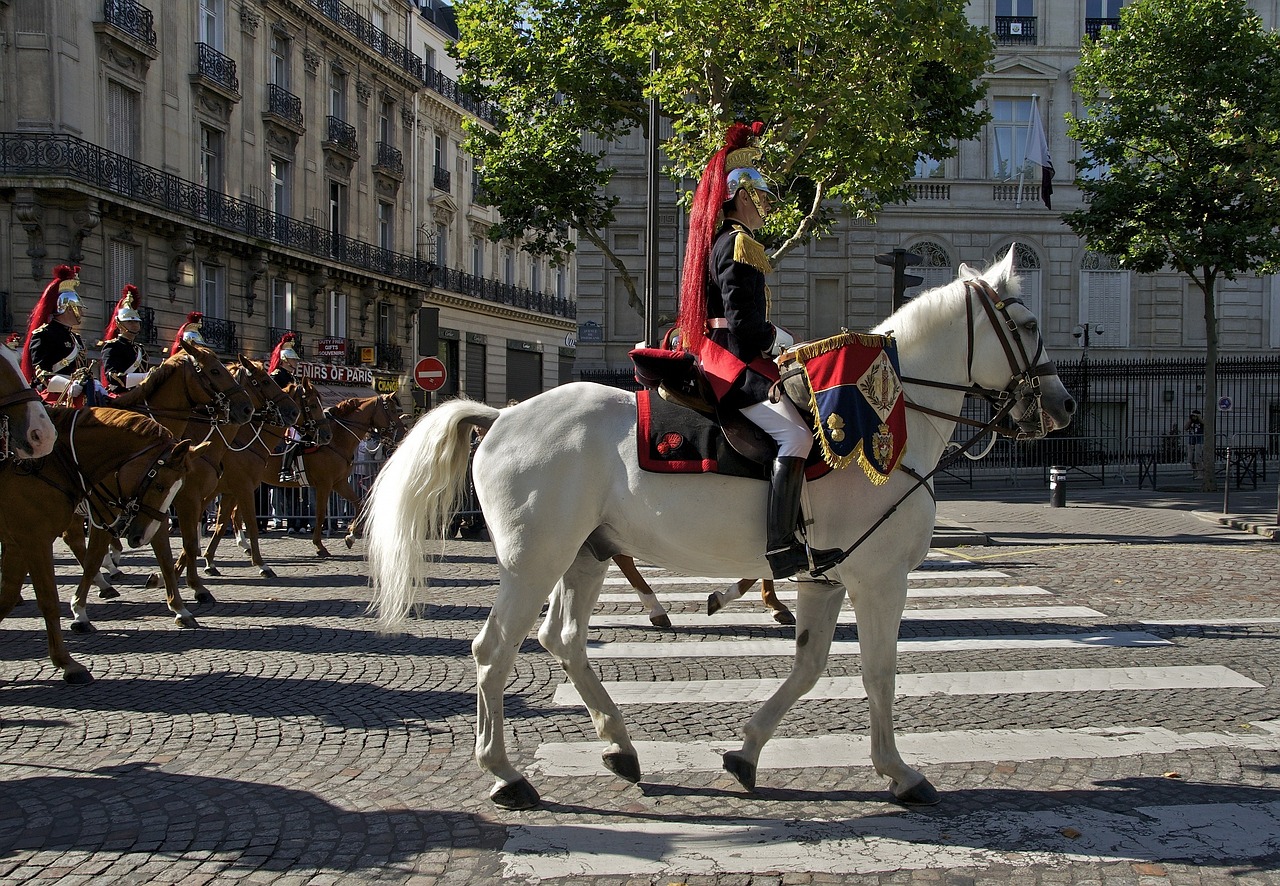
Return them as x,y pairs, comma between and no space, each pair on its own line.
295,509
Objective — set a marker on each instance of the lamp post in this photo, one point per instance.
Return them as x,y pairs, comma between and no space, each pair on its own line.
1081,333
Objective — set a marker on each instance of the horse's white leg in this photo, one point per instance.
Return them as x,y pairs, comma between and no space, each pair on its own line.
564,635
817,610
718,600
657,612
879,615
515,608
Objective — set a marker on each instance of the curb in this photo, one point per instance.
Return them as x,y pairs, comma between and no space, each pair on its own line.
1258,525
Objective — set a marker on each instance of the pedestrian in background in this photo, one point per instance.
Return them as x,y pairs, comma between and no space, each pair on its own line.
1195,440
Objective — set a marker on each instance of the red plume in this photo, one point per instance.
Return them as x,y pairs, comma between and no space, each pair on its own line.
708,201
41,313
285,341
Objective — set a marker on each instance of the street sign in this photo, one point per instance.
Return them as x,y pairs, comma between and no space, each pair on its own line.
900,260
1224,404
429,373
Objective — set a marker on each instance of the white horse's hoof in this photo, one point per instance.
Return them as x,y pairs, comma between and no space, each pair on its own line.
516,795
919,794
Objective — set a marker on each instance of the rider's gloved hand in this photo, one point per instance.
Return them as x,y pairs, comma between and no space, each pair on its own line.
781,341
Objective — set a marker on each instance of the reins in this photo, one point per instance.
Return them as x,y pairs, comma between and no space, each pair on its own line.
99,499
22,395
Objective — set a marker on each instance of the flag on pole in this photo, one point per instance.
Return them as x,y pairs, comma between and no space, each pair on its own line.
1038,153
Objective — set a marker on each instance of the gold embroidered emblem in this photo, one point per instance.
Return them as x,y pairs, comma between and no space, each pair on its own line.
835,426
883,442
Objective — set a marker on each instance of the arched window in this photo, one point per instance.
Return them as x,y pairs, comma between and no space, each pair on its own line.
1104,299
935,269
1026,261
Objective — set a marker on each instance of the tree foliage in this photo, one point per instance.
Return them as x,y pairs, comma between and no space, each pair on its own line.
1180,134
852,92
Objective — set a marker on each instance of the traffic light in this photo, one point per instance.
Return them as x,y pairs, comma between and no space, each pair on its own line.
900,260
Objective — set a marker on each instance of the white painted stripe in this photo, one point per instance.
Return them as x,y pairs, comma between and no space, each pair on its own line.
906,645
614,578
791,593
758,616
957,683
1213,622
1210,833
582,758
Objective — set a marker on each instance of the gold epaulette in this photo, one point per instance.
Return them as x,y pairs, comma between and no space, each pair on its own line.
748,251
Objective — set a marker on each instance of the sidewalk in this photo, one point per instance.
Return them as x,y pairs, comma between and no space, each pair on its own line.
1097,514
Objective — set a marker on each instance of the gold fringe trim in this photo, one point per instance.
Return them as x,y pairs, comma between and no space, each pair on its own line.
750,252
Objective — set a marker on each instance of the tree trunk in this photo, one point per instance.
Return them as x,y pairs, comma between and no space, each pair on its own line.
1209,409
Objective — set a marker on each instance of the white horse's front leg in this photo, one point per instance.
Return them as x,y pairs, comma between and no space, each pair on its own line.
879,616
817,610
515,608
564,634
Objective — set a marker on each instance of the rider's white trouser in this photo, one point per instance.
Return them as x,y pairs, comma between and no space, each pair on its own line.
783,423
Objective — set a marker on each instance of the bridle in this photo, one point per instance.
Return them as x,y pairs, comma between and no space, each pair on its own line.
102,501
1026,371
22,395
308,421
267,414
393,424
217,409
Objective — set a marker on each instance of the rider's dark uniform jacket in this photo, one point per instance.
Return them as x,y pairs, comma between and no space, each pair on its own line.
56,350
736,292
119,358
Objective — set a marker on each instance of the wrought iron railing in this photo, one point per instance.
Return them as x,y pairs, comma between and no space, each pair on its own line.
342,134
452,90
6,318
479,196
41,156
148,334
1016,30
441,178
275,333
219,334
215,66
131,17
353,353
1094,26
388,158
390,357
284,104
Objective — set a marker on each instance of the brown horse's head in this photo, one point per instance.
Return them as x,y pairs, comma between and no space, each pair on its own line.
270,403
212,386
313,424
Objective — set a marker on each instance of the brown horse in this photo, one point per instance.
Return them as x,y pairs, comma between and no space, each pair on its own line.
247,455
327,468
125,466
25,428
196,398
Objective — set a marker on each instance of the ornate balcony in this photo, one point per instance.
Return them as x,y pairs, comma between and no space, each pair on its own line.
148,335
131,17
1016,30
218,69
341,135
441,179
388,160
1094,26
390,357
284,104
220,335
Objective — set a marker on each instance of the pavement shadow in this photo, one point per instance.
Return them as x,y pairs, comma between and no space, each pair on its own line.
236,824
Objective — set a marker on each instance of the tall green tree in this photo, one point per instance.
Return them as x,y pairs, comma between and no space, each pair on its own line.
1180,132
852,92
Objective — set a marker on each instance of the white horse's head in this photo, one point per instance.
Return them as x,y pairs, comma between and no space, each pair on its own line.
31,434
1008,350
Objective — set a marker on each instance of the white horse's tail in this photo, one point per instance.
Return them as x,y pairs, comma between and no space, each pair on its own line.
412,501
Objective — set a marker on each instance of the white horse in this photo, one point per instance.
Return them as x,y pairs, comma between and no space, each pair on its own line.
558,479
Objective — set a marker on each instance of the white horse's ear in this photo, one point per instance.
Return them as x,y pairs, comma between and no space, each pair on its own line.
1003,269
966,272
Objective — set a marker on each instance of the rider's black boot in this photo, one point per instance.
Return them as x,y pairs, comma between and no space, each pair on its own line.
787,555
288,473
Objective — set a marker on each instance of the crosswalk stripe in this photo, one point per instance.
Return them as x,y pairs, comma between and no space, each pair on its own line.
906,646
791,594
1209,833
757,616
1003,682
582,758
916,575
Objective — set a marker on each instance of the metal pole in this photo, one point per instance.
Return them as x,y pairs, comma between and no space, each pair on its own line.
651,218
1226,483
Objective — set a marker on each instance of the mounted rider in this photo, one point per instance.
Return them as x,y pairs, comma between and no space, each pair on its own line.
724,322
283,366
54,358
124,359
190,331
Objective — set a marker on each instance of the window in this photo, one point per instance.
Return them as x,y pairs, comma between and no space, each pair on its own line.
281,303
535,274
429,57
337,209
477,371
1027,263
123,120
934,268
280,60
477,257
560,282
386,231
1016,22
1104,299
442,245
336,321
337,92
927,167
441,145
211,156
122,268
213,290
210,22
1015,7
1010,124
1102,8
386,323
508,266
386,131
281,174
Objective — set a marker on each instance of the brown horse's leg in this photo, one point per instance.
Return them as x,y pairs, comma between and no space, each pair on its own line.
781,614
190,514
90,564
343,488
322,513
172,594
245,519
39,560
224,516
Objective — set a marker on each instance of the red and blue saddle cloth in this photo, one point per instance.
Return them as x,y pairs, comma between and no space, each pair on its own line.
855,400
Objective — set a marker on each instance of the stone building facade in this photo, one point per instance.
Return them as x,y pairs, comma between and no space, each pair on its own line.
969,208
275,164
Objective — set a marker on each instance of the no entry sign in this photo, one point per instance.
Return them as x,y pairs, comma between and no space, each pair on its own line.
429,373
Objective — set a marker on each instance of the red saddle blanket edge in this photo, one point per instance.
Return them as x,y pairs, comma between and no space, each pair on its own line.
644,428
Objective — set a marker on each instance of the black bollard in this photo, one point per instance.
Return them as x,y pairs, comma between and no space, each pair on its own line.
1057,487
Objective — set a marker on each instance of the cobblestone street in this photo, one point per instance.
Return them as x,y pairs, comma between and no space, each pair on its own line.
1094,693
